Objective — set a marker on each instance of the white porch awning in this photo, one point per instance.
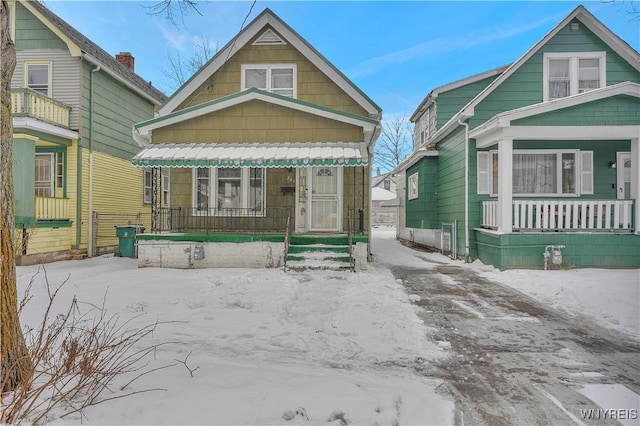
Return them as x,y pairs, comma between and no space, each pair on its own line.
298,154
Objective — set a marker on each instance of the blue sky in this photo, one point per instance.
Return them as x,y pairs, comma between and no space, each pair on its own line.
396,52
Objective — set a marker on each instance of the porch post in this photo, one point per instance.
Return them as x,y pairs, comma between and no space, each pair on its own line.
505,185
635,181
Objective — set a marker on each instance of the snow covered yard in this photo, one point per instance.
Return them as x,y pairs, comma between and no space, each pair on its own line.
267,347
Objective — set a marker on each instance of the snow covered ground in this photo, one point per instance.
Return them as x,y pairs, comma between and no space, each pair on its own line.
298,347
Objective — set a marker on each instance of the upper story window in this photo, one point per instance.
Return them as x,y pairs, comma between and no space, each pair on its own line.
275,78
566,74
38,77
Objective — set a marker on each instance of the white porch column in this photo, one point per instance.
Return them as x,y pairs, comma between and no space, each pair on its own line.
635,179
505,185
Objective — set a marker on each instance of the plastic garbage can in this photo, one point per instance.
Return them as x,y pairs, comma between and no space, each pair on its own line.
127,239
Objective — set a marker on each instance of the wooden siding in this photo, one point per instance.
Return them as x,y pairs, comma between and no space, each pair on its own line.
65,87
452,101
116,110
312,84
31,33
615,111
422,212
48,240
23,177
258,121
525,86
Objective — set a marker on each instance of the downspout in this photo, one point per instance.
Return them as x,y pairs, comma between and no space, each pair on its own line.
91,133
370,227
466,188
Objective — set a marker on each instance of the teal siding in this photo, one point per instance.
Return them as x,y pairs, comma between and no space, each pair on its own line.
452,101
24,160
31,33
525,86
615,111
422,211
115,110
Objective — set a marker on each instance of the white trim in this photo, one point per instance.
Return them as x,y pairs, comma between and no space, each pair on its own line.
338,197
250,95
414,158
573,58
51,129
269,38
245,179
267,18
620,178
49,65
145,171
269,68
413,192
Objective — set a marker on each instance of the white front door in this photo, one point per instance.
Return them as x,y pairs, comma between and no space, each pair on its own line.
325,193
623,160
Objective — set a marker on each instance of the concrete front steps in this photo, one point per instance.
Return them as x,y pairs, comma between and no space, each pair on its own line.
319,252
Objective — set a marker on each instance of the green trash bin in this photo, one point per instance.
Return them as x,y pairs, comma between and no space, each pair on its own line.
127,239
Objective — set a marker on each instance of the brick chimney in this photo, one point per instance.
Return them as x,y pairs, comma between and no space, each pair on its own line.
126,59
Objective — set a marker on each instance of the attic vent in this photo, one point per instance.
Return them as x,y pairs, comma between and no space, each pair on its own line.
269,38
575,26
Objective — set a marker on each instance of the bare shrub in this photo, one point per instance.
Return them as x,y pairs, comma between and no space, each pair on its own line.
75,355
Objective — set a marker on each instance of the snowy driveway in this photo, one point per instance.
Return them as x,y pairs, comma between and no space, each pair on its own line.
515,360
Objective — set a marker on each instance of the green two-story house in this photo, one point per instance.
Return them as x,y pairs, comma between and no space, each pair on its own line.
73,109
535,164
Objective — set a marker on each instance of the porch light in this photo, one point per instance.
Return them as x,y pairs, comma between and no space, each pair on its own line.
612,164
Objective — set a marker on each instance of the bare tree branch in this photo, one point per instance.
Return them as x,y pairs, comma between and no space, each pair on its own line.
173,8
394,144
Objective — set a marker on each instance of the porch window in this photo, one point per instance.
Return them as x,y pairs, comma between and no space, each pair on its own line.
237,190
49,173
165,186
148,186
38,76
413,186
280,79
539,172
566,74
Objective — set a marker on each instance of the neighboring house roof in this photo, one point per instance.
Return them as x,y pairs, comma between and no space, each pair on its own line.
301,154
433,95
613,41
414,157
141,131
79,45
377,180
268,18
381,194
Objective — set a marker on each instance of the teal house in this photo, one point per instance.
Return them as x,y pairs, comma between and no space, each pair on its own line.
534,164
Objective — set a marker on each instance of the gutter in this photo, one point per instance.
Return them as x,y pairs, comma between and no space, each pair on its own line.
466,188
91,133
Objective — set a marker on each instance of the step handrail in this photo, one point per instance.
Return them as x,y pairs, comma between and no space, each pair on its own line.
287,235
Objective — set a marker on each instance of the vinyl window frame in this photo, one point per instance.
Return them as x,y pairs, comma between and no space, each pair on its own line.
412,186
245,188
574,59
269,69
49,65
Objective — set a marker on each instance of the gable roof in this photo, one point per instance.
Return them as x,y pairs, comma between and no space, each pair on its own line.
142,130
433,95
268,18
621,47
79,45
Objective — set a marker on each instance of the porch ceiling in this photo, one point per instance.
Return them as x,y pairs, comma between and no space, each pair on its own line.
301,154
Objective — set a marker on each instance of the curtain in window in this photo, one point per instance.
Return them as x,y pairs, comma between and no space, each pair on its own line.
588,74
534,173
202,188
255,189
229,188
558,78
256,78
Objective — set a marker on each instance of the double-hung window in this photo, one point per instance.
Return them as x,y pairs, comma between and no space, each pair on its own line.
413,187
540,172
237,191
38,77
49,173
566,74
275,78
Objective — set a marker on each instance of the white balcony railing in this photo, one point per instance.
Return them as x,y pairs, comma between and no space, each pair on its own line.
49,208
604,215
29,103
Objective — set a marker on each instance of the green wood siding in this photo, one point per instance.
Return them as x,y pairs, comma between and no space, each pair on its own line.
116,110
452,101
31,33
582,250
525,86
24,158
615,111
422,212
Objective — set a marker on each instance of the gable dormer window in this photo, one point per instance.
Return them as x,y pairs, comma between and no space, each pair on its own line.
276,78
567,74
38,77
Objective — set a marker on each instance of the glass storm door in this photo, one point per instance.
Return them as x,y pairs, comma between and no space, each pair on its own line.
624,175
325,198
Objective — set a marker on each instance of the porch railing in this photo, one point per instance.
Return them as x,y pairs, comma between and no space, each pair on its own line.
185,219
49,208
29,103
603,215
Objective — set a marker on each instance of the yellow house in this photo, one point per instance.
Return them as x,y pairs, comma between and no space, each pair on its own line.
268,139
73,109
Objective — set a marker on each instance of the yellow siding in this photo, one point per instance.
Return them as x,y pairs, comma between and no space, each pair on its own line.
313,85
47,240
258,121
